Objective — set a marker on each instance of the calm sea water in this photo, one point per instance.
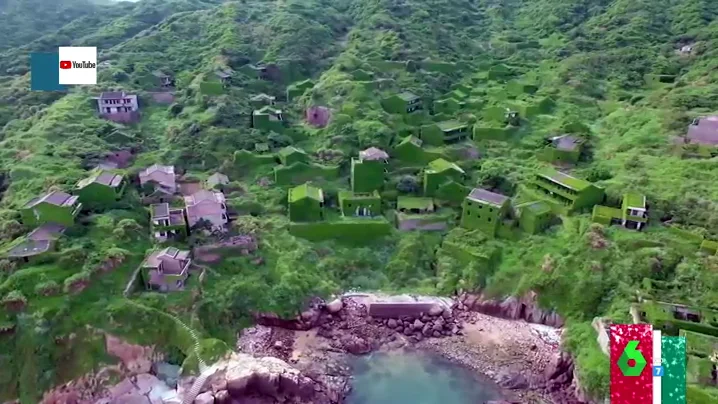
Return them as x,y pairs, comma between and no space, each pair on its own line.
408,377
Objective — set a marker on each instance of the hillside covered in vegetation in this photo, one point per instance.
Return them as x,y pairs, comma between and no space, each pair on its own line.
626,78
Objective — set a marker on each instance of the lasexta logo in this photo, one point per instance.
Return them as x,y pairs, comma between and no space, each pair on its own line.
65,64
631,361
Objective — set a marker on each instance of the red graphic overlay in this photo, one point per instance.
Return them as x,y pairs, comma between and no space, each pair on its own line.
65,64
631,389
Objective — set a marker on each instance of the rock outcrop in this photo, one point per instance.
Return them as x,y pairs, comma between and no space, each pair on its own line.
524,308
244,378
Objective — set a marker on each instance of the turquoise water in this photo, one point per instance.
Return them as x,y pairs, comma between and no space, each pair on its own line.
405,377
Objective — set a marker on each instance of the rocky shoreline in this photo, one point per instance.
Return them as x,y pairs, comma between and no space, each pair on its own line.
307,359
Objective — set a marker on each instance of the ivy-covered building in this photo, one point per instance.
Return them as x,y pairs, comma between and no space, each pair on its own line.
369,170
563,149
566,191
414,205
402,103
484,210
306,203
54,207
632,214
290,155
299,88
409,149
103,187
268,118
439,172
439,133
360,204
260,100
167,222
534,217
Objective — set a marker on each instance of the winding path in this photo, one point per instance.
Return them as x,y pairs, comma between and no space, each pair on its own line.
205,371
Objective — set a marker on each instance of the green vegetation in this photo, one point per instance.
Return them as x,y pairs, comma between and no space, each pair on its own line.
608,71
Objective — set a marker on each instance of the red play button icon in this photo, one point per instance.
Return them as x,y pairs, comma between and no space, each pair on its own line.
65,64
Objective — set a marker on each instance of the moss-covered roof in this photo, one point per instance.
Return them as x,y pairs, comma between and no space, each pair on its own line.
345,195
267,110
564,179
441,165
305,191
448,126
407,96
413,202
411,139
634,200
291,150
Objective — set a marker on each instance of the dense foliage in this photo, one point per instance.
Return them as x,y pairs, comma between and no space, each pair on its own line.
592,56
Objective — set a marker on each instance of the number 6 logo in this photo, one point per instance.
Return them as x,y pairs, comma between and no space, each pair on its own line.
631,353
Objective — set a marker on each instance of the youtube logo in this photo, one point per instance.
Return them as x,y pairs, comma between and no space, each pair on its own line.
77,65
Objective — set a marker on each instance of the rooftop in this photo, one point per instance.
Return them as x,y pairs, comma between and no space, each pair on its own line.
413,202
102,177
566,142
705,131
358,195
204,195
305,191
441,165
29,248
537,207
485,196
57,198
373,153
448,126
563,179
48,231
262,97
290,150
634,200
160,210
267,110
171,259
413,140
112,95
407,96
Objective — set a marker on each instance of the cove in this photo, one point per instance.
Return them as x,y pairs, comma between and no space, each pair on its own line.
413,377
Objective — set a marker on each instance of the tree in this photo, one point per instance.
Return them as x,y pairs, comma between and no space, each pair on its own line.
407,184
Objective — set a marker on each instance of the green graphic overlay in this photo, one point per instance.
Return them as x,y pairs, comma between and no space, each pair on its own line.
673,359
630,352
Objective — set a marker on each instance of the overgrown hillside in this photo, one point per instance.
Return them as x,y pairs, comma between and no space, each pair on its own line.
610,71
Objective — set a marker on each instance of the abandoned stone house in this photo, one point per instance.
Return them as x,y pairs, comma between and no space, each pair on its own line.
165,80
484,210
118,106
163,180
414,205
360,204
306,203
565,190
631,215
704,131
564,149
54,207
167,222
209,206
167,269
402,103
369,170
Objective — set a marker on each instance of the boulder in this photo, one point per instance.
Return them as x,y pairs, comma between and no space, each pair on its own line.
335,306
204,398
435,310
512,380
391,323
447,313
355,345
418,325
